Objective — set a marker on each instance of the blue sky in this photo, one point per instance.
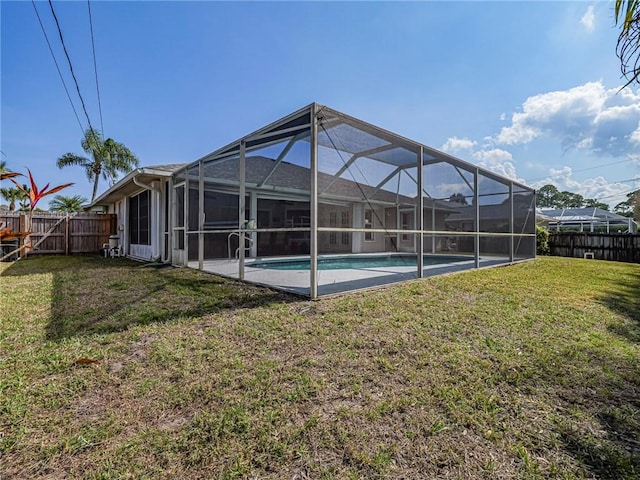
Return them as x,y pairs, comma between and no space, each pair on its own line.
526,89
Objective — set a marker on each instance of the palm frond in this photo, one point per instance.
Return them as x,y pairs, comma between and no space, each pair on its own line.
71,159
108,158
92,141
60,203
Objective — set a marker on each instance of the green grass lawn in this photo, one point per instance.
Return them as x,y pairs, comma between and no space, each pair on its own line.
527,371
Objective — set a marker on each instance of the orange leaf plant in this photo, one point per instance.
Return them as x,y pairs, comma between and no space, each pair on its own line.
34,194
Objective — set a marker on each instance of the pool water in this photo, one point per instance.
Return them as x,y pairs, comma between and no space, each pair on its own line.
355,262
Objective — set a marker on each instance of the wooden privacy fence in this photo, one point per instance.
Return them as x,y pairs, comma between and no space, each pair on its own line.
619,247
63,233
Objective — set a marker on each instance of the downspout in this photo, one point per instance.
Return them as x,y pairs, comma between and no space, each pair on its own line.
155,253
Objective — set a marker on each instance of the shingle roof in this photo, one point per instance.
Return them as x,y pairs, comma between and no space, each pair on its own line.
170,168
296,177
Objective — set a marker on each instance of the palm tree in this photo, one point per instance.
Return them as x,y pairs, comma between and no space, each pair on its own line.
627,15
11,195
23,197
108,159
60,203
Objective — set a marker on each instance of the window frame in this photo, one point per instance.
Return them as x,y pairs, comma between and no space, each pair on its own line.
138,235
368,225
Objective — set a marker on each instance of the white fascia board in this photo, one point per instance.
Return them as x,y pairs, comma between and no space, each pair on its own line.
127,179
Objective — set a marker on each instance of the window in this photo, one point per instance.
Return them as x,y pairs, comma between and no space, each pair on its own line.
139,219
333,220
368,224
221,210
405,218
346,236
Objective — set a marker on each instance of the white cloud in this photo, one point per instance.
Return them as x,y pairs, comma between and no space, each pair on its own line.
588,20
498,161
635,136
597,187
587,117
455,144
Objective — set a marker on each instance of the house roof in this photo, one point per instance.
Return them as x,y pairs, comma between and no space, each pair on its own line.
522,207
264,173
127,186
585,214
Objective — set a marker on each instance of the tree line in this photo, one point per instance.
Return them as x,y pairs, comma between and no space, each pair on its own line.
550,197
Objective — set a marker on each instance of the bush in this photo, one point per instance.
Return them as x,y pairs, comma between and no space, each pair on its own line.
542,241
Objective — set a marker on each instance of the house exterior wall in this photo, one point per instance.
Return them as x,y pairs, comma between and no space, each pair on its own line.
156,247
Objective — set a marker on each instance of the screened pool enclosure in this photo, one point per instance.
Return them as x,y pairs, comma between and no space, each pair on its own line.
320,203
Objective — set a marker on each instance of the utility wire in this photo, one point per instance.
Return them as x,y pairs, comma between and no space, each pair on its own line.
618,194
57,66
580,170
95,68
636,179
75,80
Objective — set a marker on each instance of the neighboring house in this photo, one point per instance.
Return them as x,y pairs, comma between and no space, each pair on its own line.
588,219
314,183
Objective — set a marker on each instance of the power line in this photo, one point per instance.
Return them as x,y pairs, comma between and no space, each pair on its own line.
75,80
95,68
617,194
636,179
57,66
580,170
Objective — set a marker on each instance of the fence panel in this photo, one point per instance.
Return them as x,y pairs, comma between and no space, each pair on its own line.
619,247
59,233
87,234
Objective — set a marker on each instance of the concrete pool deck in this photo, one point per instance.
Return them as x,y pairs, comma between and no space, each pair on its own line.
336,281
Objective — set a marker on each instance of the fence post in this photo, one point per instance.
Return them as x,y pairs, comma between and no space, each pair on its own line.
66,235
23,228
571,243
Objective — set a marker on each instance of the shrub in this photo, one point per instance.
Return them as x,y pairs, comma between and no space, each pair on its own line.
542,241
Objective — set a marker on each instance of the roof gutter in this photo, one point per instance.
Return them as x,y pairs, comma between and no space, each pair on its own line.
131,177
143,185
115,187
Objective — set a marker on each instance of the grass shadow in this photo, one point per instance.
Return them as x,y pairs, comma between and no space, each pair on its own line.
601,425
92,295
605,459
625,301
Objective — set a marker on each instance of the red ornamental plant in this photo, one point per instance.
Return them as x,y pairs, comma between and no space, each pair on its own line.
5,232
7,175
34,194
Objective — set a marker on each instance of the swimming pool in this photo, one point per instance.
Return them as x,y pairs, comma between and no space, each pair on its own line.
356,262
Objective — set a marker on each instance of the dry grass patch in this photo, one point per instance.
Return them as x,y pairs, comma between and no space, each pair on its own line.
529,371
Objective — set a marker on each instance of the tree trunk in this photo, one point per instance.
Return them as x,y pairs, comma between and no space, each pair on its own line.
95,188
